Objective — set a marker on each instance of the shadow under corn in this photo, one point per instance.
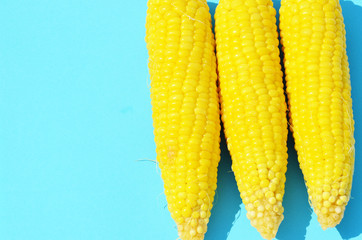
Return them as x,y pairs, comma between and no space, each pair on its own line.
351,224
297,211
227,199
212,7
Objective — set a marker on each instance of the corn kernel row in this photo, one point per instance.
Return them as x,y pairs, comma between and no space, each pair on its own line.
253,107
185,108
319,93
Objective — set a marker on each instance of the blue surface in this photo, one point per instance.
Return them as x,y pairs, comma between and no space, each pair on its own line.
76,139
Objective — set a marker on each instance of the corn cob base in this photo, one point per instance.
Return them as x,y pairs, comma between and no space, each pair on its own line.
319,93
185,108
253,107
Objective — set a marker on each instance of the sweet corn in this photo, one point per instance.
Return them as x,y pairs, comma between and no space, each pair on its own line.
185,108
253,107
319,93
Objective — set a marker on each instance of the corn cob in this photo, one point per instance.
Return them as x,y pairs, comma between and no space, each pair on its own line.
185,106
319,93
253,106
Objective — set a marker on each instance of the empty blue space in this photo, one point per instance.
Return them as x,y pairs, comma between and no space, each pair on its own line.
77,155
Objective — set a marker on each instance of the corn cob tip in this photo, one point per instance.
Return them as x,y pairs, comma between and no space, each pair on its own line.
331,218
330,221
266,221
193,229
329,203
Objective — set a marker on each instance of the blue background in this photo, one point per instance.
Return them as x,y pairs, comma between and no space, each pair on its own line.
76,138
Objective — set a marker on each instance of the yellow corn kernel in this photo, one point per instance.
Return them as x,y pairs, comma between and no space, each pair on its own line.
253,107
185,107
320,104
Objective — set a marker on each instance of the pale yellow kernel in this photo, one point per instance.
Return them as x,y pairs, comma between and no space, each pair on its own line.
200,229
269,194
332,199
326,195
338,209
272,200
246,200
191,203
203,214
276,209
249,206
268,206
343,198
193,223
318,198
192,232
342,191
273,187
343,185
259,194
324,210
335,192
202,221
326,204
204,207
254,222
253,199
250,214
279,196
261,208
180,227
256,203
